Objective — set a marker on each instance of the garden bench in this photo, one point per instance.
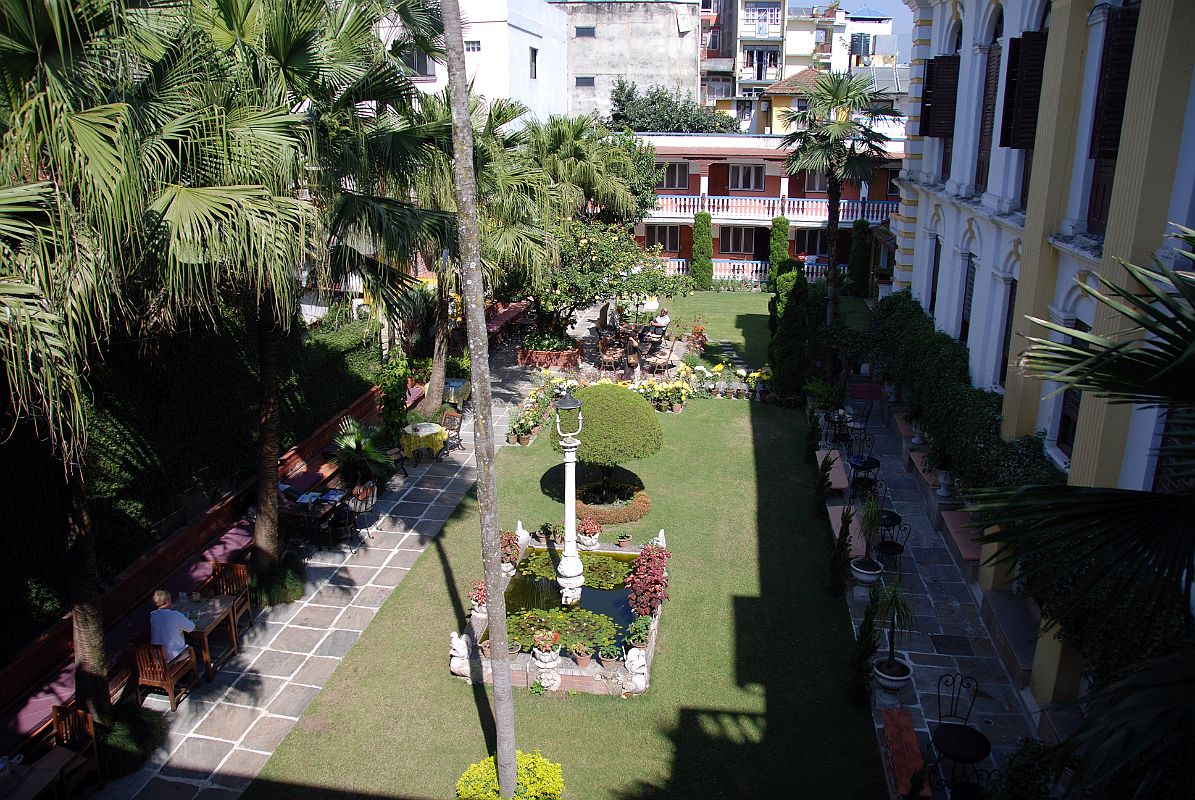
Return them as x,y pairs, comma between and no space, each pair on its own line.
961,535
834,511
838,478
902,752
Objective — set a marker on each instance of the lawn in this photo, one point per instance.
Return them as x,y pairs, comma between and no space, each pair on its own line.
740,318
748,694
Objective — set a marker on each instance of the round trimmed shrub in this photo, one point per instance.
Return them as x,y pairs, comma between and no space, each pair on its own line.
538,779
620,426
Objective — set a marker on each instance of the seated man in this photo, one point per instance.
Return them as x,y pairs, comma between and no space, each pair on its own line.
660,323
167,626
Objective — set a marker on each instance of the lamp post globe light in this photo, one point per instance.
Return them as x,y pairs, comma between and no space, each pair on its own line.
570,572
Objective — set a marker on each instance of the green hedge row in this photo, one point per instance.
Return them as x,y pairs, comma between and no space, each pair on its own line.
702,264
929,370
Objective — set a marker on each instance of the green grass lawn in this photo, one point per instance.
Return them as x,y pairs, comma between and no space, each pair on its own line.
740,318
748,694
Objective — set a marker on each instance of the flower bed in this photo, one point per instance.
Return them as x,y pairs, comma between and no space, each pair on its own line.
561,359
631,510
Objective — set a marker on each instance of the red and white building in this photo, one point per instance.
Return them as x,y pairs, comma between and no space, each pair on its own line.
741,181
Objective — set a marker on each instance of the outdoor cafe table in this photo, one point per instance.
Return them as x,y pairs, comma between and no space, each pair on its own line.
30,781
423,436
208,614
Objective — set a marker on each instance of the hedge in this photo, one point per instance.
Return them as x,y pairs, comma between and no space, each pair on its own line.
778,250
858,265
701,267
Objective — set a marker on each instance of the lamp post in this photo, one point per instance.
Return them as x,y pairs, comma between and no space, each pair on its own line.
570,572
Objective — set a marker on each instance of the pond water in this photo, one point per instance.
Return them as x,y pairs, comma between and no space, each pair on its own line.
526,592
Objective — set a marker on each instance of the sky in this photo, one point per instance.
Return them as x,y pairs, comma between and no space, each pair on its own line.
902,21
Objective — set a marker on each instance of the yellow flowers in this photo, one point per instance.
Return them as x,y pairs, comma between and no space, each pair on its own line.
718,369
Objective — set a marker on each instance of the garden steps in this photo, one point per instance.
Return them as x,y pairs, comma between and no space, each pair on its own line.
834,511
838,479
902,752
961,534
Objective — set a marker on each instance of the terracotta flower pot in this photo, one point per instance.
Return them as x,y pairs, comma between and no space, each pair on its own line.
583,661
512,438
678,407
609,662
524,440
624,542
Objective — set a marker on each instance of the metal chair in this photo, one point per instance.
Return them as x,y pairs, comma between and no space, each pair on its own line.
451,422
892,542
863,464
74,730
660,359
859,421
609,356
954,739
837,429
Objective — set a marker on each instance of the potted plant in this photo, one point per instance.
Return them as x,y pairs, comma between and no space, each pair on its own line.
609,655
639,631
508,541
359,452
588,530
865,568
893,671
550,532
546,641
941,459
478,596
582,653
521,428
511,436
624,539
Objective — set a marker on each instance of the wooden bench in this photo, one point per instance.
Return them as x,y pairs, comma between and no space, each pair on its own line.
961,535
834,511
838,479
901,752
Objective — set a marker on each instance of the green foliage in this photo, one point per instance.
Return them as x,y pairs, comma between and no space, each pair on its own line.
701,265
620,426
135,734
537,689
359,452
548,340
575,626
813,437
279,583
821,486
639,631
1029,774
892,606
601,571
866,643
663,110
858,265
644,172
459,367
826,396
840,559
537,779
392,380
798,313
778,249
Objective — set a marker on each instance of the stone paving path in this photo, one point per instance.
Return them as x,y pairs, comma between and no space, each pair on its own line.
950,635
223,732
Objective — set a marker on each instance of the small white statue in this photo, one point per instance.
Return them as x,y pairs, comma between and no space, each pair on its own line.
637,667
659,541
522,535
546,662
570,596
459,663
549,679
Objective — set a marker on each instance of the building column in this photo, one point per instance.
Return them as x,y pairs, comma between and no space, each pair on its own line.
1053,154
1057,669
1149,145
905,221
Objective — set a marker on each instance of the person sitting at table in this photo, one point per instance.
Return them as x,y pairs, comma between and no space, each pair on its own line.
660,323
167,626
614,318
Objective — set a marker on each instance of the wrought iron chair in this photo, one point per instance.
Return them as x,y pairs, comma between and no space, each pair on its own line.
75,731
662,359
859,421
451,422
863,464
892,542
955,739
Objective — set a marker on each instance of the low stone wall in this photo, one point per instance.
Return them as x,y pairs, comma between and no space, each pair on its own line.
561,359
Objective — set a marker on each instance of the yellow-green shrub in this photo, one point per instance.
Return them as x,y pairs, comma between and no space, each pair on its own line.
538,779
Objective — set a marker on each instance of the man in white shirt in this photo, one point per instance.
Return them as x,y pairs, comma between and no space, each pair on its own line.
661,322
167,626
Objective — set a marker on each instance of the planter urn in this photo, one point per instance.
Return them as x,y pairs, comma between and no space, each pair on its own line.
624,542
866,570
944,483
892,676
678,407
480,609
587,542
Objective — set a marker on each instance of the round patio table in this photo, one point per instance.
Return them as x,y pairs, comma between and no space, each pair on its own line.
962,744
422,436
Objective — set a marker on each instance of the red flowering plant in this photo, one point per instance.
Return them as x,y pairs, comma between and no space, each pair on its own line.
545,640
478,593
696,340
648,582
588,526
508,542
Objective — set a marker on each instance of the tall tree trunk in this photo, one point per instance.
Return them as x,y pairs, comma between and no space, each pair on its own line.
473,295
833,279
269,347
435,384
87,618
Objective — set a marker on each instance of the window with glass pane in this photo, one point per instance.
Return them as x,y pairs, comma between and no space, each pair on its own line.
534,63
1068,421
585,80
815,181
676,176
768,13
586,32
738,240
709,6
747,177
473,46
666,236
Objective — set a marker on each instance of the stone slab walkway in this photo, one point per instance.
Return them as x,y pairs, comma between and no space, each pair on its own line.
223,732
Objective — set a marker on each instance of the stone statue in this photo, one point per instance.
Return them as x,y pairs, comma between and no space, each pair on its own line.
546,662
570,595
660,541
636,665
522,535
459,649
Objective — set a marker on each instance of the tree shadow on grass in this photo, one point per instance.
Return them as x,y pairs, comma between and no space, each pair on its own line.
551,483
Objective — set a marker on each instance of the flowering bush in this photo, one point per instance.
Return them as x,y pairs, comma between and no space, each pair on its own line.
538,779
696,340
648,580
761,375
588,526
478,593
545,639
508,541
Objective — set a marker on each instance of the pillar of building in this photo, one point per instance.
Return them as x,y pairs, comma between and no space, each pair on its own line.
1149,145
1057,669
1053,154
904,221
994,576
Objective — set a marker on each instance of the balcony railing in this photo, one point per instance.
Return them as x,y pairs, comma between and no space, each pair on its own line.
797,209
743,271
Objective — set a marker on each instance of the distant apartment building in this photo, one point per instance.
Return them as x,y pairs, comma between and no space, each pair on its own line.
719,38
646,42
1048,142
514,49
741,181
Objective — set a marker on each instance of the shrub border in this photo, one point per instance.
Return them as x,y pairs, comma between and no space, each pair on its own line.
635,509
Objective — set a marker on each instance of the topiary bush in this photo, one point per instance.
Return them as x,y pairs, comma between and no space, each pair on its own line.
778,258
858,265
538,779
701,267
620,426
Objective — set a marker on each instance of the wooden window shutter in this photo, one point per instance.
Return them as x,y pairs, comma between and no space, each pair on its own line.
927,100
1031,68
987,117
1115,64
1011,78
945,96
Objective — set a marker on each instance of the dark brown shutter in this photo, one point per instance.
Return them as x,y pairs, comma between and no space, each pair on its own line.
1115,64
987,117
927,100
1011,79
1030,69
945,96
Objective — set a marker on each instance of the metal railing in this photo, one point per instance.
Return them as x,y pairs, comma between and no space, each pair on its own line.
744,271
800,209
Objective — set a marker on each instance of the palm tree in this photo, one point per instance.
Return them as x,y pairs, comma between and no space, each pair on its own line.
578,154
474,302
1119,560
835,135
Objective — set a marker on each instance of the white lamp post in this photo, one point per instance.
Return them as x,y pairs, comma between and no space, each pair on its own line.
570,572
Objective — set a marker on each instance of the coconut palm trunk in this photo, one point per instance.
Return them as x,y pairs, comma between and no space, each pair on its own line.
269,347
474,310
87,619
833,279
